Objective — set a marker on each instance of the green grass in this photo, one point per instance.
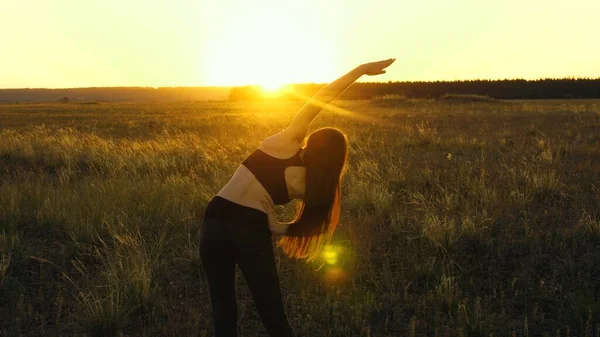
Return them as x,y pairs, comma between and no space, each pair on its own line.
457,219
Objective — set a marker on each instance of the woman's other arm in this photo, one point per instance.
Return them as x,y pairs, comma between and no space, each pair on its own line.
276,227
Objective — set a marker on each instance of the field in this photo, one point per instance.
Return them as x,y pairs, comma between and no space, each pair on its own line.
458,219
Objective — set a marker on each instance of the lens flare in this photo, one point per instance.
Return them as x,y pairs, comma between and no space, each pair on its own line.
330,257
331,254
334,275
334,257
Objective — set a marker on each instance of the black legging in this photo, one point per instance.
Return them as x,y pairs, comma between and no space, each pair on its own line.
234,234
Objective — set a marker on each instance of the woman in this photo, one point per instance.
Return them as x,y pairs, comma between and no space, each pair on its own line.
239,220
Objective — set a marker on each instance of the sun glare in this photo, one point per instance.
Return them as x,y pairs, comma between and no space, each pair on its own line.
272,87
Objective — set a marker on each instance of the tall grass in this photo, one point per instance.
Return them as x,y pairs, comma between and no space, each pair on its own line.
470,219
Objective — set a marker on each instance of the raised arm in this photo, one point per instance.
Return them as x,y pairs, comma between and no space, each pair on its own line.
301,122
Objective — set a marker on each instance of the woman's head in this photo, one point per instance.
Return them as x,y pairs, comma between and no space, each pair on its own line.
326,152
324,156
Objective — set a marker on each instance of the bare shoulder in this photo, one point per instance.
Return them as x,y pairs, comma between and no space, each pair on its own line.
280,145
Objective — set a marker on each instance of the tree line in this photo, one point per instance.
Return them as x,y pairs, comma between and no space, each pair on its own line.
115,94
501,89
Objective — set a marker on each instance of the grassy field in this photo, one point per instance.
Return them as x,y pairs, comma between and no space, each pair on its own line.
458,219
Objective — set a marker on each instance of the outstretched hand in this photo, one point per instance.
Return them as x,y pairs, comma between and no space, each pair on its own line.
376,68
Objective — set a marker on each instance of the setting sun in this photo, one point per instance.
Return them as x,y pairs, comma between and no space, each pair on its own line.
272,87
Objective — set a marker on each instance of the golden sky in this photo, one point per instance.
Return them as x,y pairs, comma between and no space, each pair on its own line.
69,43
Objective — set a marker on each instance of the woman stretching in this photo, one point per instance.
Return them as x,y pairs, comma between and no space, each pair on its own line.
239,220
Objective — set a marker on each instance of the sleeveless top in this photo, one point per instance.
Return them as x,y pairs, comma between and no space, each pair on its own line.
270,173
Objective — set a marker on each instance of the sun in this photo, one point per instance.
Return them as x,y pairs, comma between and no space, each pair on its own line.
271,87
269,49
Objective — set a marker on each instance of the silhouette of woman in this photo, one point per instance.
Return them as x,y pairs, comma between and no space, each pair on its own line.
239,221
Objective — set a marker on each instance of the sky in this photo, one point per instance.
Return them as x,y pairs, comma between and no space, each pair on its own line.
71,43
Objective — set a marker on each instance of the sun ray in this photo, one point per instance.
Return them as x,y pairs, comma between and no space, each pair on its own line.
332,108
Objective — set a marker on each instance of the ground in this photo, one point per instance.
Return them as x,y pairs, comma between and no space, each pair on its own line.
458,218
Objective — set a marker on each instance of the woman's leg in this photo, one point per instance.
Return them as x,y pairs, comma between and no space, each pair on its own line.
257,263
218,262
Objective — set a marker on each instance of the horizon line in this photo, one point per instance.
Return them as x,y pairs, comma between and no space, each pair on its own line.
306,83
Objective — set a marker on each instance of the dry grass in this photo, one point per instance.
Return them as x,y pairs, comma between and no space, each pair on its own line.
458,219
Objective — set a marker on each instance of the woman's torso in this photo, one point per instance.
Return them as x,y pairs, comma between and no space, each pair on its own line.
245,189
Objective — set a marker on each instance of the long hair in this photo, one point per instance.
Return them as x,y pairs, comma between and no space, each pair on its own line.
325,156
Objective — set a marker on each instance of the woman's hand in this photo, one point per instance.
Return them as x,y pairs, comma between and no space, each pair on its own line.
376,68
275,226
